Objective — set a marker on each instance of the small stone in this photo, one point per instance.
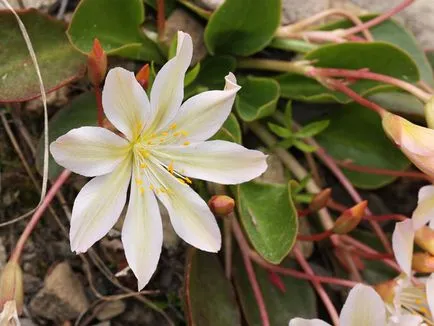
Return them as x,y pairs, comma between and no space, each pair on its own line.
295,10
62,297
110,309
209,4
56,98
39,4
181,20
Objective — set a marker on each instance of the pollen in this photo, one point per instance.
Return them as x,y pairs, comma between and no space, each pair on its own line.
181,180
170,168
186,143
139,181
151,187
172,126
164,133
188,180
184,133
149,142
143,165
177,134
141,190
153,135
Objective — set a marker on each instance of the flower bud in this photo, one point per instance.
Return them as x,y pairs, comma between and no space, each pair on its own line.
320,200
143,76
424,238
386,290
423,262
350,218
11,285
429,113
96,64
416,142
221,205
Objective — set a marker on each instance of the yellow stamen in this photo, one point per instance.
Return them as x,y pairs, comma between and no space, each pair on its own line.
176,134
170,168
151,187
181,180
143,165
172,126
184,133
139,181
188,180
141,190
164,133
186,143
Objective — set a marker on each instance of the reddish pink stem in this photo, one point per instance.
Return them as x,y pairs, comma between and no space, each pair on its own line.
377,20
15,257
245,249
100,110
317,285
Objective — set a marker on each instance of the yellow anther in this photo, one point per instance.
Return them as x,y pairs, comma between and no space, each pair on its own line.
141,190
143,165
172,126
184,133
151,187
139,181
181,180
162,190
153,135
164,133
170,168
188,180
149,142
177,134
186,143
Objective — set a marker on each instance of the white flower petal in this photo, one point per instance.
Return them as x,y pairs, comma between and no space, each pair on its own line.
89,151
218,161
424,211
307,322
9,314
190,216
98,206
142,232
405,320
363,307
168,89
201,116
430,293
125,102
402,243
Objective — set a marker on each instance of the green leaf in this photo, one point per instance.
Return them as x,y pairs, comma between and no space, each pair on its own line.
269,218
280,131
287,115
191,75
312,129
81,111
401,103
356,134
298,300
301,145
234,27
378,57
393,32
210,298
430,57
59,62
257,98
230,131
213,71
117,27
286,143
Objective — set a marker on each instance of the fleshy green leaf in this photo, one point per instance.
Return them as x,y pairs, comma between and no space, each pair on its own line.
378,57
287,115
116,24
213,71
81,111
301,145
280,131
59,62
191,75
298,300
393,32
230,131
355,134
312,129
210,298
257,98
269,218
242,27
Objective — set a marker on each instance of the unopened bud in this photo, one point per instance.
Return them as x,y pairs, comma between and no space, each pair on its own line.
423,262
429,113
350,218
143,76
386,290
11,285
320,200
424,238
221,205
96,64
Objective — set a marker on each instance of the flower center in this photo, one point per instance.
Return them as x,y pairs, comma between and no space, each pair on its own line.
413,299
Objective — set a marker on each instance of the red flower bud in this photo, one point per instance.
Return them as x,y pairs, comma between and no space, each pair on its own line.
350,218
221,205
96,64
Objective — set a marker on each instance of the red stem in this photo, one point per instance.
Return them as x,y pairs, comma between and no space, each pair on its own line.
245,249
377,20
317,285
161,19
100,110
315,237
15,257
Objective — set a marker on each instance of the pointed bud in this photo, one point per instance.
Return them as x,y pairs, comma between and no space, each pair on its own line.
386,290
96,64
11,285
350,218
221,205
422,262
320,200
429,113
416,142
143,76
424,238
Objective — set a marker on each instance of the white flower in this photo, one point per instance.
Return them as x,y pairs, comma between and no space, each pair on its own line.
164,144
9,315
363,307
402,244
424,211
